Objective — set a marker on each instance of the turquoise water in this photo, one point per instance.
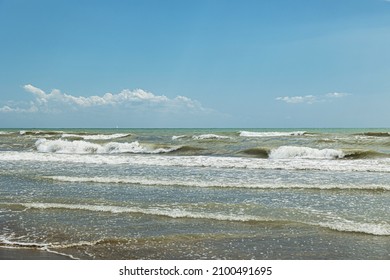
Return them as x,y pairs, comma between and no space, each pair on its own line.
197,193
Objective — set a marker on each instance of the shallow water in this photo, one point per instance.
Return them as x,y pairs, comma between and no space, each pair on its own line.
197,194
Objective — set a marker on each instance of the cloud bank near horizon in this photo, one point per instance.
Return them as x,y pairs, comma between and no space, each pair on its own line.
128,108
56,101
310,99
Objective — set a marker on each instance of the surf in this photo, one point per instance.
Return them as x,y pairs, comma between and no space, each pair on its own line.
85,147
330,222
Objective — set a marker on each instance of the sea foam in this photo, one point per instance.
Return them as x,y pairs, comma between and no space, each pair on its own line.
152,210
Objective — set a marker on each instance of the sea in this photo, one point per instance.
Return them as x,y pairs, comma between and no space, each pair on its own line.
197,194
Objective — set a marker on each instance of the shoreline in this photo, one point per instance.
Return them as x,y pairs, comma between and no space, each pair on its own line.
29,254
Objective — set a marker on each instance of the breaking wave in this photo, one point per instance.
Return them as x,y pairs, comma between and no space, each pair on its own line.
84,147
286,152
5,133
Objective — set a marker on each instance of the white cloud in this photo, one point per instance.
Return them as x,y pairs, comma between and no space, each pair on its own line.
7,109
298,99
310,99
336,95
58,101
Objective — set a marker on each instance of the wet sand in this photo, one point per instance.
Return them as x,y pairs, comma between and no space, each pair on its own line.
29,254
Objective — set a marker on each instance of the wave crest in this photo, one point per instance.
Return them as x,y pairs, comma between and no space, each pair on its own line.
97,136
209,136
84,147
287,152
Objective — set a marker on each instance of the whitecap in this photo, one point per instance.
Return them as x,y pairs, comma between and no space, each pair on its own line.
97,136
84,147
209,136
286,152
178,137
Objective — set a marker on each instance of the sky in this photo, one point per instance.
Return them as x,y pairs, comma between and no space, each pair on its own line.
203,63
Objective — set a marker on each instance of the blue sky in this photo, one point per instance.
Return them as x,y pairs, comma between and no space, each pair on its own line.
182,63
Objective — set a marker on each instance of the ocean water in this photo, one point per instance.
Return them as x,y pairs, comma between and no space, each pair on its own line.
197,193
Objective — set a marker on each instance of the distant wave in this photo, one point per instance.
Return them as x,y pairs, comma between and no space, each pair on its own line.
201,137
6,133
97,136
271,134
39,132
81,135
84,147
177,137
209,136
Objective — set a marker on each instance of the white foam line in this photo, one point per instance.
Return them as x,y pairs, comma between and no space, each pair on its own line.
210,184
158,211
334,223
31,245
359,165
349,226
